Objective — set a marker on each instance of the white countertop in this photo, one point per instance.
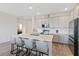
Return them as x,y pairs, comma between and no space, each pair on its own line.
39,37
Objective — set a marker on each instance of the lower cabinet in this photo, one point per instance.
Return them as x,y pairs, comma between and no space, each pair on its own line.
61,38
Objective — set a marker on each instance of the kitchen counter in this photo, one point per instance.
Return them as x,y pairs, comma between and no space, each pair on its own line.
56,39
38,37
47,38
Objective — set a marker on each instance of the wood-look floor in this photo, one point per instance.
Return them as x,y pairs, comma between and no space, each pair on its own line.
58,50
61,50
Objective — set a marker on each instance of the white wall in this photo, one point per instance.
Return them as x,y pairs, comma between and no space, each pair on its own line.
7,27
26,24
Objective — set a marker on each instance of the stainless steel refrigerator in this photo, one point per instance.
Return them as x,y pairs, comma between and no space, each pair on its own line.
74,36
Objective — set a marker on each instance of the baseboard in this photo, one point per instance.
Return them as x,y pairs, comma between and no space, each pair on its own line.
4,42
60,43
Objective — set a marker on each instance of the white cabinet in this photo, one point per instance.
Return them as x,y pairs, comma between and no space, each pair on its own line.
61,24
65,38
39,21
76,12
61,38
53,22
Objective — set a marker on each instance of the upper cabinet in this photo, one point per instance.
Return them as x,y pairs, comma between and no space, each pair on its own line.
76,12
53,22
59,21
38,21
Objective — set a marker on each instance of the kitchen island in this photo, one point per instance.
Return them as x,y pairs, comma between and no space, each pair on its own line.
47,38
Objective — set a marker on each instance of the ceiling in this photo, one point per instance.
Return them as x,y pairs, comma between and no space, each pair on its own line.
33,9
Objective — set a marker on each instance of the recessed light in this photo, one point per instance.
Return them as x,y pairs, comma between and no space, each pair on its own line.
30,7
38,13
65,9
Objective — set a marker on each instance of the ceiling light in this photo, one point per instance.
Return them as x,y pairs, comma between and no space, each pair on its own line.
66,9
30,7
38,13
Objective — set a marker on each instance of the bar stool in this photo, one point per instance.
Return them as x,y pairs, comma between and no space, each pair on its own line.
28,45
20,44
42,48
34,50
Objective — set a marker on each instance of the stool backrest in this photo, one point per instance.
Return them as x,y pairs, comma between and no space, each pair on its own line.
19,41
42,46
28,43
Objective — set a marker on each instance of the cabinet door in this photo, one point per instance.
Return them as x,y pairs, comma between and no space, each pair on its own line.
76,12
65,38
53,22
39,21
